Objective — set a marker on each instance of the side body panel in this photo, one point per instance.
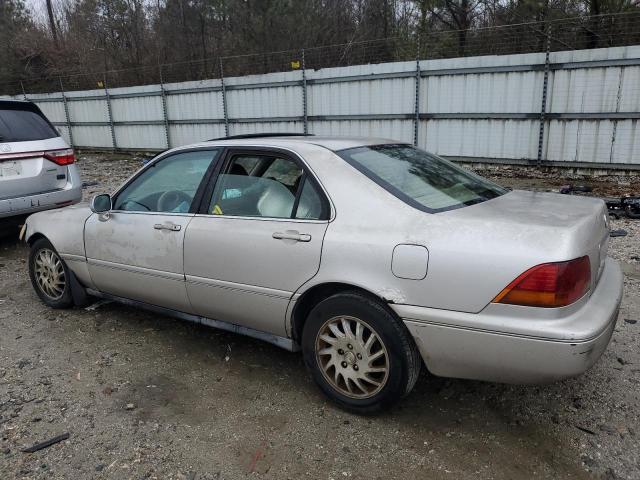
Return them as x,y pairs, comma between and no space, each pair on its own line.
473,252
236,271
130,258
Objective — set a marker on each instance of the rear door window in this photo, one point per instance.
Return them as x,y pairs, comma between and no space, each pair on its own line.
266,186
24,123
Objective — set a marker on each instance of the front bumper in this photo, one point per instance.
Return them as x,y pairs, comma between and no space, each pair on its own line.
521,349
69,195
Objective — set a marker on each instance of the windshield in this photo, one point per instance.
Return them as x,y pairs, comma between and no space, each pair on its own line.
421,179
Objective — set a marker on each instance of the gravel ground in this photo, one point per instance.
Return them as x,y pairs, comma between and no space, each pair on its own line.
144,396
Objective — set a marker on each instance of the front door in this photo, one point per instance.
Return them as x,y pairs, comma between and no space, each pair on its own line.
136,250
257,239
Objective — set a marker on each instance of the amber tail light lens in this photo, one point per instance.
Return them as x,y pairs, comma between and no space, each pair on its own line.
549,285
60,157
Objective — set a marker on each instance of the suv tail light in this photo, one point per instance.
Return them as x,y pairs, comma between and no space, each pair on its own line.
549,285
60,157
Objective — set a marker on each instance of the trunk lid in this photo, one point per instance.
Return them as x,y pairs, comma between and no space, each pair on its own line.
549,226
24,171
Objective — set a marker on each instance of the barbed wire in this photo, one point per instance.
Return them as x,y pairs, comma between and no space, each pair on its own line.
575,33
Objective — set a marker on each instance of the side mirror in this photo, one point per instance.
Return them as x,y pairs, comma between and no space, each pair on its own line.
101,203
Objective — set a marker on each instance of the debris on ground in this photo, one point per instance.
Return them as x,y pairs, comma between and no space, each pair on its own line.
570,189
46,443
98,304
618,232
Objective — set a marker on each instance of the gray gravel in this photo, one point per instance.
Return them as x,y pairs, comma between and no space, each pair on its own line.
144,396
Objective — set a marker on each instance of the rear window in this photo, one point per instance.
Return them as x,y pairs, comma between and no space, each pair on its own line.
421,179
23,123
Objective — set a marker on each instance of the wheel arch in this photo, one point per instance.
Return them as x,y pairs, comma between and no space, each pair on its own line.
35,237
314,295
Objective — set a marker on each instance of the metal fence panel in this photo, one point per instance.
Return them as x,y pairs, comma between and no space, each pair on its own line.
484,107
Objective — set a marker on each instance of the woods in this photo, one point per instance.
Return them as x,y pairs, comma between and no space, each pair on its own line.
44,40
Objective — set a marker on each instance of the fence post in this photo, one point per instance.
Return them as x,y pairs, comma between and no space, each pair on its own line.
113,132
304,96
615,122
165,116
416,119
543,107
224,101
66,112
24,93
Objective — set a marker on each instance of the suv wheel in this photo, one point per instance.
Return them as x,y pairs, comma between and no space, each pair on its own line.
360,355
49,275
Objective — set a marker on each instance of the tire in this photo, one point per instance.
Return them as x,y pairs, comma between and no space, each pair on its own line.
49,275
349,368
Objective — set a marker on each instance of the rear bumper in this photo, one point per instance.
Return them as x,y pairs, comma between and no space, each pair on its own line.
70,194
455,344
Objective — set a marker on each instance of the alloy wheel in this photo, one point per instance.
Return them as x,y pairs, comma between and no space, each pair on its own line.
352,357
49,273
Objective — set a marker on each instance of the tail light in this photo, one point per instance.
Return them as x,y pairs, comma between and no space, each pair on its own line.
549,285
60,157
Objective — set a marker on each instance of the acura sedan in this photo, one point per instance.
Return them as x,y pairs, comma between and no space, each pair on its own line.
369,255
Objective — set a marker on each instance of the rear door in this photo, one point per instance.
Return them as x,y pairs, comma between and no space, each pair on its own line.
25,166
136,250
257,239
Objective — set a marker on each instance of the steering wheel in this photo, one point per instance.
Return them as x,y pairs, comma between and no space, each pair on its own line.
122,205
169,201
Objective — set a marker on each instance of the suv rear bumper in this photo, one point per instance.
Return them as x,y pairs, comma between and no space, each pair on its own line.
461,351
70,194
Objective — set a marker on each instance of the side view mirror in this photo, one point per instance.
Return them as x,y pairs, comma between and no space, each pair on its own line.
101,203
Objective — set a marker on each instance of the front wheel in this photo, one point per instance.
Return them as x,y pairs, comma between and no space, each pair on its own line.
359,354
49,275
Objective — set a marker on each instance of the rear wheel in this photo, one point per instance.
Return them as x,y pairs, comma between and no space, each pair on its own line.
49,275
360,355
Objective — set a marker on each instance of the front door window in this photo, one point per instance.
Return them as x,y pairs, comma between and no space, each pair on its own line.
167,186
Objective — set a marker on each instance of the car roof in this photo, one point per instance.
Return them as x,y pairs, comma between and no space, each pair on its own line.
332,143
15,102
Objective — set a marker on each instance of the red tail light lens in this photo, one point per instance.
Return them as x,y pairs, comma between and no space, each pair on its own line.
60,157
549,285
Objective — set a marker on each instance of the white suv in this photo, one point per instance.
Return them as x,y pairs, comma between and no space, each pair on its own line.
37,170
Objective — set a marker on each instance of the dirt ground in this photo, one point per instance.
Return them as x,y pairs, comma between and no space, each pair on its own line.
144,396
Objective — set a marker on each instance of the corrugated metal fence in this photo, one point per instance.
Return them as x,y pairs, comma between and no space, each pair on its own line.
567,107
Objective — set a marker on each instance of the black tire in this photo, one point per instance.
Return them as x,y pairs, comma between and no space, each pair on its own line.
64,299
401,358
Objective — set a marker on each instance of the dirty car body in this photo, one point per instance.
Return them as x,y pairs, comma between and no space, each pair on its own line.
266,236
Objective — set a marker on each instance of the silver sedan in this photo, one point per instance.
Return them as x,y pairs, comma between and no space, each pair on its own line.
369,255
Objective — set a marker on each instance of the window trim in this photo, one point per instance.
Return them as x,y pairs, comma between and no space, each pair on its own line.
197,198
390,188
232,151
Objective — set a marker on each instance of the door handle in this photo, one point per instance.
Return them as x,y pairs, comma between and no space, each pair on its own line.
167,226
295,236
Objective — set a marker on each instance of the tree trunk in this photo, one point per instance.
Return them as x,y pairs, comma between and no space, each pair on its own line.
52,24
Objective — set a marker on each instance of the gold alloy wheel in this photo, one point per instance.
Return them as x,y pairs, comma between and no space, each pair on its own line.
352,357
49,273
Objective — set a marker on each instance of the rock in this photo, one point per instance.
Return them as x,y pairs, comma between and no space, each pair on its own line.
130,406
